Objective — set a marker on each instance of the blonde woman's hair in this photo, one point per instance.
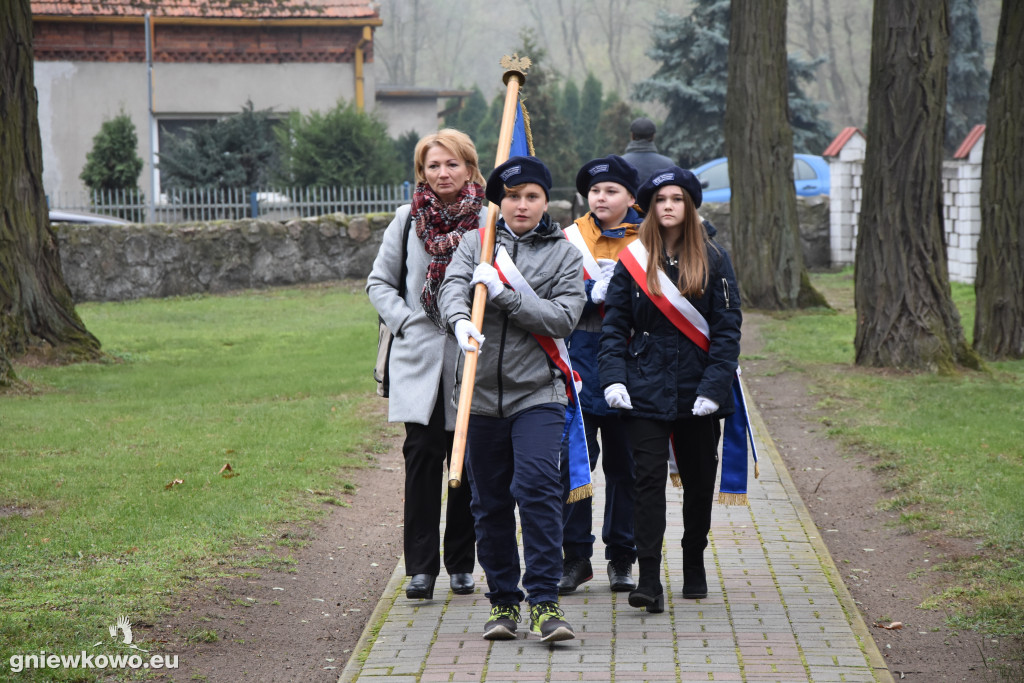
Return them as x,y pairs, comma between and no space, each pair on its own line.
457,143
692,249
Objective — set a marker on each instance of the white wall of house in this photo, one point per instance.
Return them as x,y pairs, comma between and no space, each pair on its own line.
402,114
75,98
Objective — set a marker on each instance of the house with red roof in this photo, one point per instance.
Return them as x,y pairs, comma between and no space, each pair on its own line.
208,58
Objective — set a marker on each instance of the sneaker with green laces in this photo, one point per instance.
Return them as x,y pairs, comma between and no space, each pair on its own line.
501,625
547,622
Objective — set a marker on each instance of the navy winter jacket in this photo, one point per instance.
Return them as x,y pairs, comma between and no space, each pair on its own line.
664,372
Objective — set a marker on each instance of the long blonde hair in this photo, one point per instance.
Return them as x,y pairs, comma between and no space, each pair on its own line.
457,143
692,249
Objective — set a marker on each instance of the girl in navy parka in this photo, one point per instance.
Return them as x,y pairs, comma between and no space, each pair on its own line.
671,381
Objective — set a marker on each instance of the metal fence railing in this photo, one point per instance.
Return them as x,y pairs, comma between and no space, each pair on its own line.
233,203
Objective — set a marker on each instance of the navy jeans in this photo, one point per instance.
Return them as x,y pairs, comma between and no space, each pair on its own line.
514,461
617,463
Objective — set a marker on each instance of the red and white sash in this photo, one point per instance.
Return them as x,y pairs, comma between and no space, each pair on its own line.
688,320
591,268
554,348
580,484
672,303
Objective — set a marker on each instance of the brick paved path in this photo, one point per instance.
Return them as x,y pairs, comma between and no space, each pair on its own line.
776,610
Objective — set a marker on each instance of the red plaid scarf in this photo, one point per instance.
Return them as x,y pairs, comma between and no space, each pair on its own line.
441,227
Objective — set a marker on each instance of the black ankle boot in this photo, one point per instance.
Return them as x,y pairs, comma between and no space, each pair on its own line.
695,582
648,594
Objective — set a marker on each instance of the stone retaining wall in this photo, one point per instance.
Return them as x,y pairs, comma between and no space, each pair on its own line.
116,263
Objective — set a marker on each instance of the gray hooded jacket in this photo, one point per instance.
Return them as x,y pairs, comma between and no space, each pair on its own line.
513,372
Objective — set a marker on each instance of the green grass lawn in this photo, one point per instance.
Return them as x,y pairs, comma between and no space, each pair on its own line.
274,383
278,384
951,447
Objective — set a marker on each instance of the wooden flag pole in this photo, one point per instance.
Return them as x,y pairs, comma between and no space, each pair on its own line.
515,76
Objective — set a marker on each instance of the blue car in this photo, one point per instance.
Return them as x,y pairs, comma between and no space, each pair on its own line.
810,173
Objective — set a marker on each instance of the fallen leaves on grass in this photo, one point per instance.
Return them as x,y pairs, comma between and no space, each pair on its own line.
172,483
227,472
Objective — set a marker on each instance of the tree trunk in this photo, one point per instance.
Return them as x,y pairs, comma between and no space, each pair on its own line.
759,145
36,310
905,312
999,285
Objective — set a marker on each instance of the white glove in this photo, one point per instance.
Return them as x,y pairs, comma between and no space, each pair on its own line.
600,289
607,267
486,274
704,406
616,396
466,330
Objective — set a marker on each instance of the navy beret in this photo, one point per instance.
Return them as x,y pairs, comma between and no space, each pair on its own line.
673,175
517,171
611,168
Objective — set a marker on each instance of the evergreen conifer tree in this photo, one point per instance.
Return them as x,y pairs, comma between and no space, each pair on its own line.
113,163
471,114
553,137
588,120
405,148
613,128
341,147
693,53
811,132
235,152
968,79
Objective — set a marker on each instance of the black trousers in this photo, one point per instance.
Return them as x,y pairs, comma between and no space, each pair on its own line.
696,445
427,450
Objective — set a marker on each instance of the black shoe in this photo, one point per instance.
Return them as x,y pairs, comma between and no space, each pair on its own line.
652,599
620,575
421,587
574,572
462,583
501,625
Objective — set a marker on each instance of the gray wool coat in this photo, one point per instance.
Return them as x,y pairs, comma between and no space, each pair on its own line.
423,357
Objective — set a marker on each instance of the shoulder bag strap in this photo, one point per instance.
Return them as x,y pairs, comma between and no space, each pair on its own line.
405,255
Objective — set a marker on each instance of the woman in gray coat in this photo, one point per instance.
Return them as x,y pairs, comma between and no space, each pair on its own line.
448,201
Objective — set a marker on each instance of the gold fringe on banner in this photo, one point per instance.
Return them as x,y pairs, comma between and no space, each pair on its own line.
580,493
732,498
677,481
526,125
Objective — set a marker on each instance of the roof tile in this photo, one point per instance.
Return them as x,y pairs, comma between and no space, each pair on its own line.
209,9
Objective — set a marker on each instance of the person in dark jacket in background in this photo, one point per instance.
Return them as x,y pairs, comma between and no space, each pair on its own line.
641,151
610,186
518,413
672,381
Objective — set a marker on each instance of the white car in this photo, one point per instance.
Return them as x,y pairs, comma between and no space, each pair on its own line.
62,216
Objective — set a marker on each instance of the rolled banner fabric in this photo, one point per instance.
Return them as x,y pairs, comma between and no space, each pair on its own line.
735,433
